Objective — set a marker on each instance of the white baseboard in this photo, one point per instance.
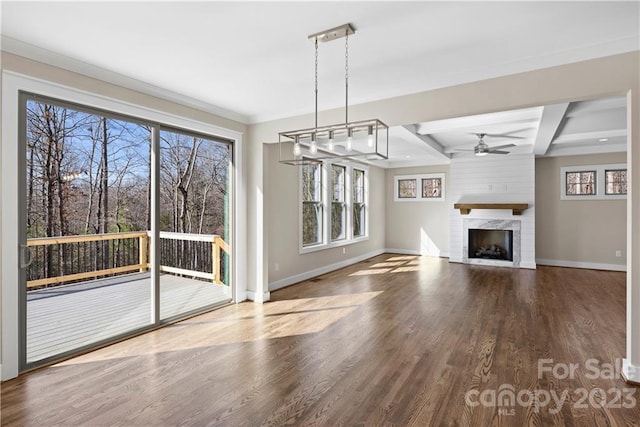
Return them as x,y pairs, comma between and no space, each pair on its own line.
417,253
279,284
578,264
630,373
402,251
529,265
252,296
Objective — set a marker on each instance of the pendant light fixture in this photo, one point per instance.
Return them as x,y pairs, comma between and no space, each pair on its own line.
365,140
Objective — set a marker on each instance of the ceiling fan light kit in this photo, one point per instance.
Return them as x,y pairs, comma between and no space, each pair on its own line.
364,140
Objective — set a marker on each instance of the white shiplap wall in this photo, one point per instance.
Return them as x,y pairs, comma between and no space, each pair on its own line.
494,179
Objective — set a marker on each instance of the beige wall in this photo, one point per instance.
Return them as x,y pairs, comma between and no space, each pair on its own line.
417,227
581,231
52,74
282,206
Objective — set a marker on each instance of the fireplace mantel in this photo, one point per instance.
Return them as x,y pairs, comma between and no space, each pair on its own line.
516,208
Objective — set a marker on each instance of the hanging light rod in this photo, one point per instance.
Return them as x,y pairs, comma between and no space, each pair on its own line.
334,33
364,140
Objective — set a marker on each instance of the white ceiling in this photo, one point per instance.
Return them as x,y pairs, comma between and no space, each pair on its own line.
251,61
584,127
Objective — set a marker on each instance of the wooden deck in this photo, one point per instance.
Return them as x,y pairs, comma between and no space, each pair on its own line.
68,317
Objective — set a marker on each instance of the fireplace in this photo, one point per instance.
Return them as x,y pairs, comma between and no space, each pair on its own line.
494,242
491,244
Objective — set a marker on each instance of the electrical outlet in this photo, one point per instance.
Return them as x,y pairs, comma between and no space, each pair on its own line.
276,267
344,250
618,253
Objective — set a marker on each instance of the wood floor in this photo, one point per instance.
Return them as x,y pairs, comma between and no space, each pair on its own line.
395,340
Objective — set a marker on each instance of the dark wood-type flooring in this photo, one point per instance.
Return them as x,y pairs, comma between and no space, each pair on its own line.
394,340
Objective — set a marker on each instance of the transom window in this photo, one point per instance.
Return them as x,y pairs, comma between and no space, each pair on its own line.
581,183
593,182
428,187
615,181
432,188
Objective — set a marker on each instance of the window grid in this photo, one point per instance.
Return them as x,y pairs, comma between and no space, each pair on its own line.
407,188
581,183
431,188
615,181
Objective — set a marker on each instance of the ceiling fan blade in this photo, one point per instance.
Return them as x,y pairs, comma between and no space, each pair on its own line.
504,135
464,149
498,152
499,147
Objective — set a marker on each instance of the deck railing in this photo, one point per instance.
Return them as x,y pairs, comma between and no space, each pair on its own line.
60,260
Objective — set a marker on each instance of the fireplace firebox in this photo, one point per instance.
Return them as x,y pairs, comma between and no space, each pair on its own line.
491,244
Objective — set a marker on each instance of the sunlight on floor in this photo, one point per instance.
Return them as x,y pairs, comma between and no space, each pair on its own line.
235,324
395,264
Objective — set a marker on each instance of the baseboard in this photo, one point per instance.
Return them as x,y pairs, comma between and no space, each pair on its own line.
252,296
577,264
630,373
241,296
417,253
529,265
402,251
279,284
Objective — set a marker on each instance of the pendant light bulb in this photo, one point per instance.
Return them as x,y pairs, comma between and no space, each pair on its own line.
314,147
330,144
349,145
370,137
296,147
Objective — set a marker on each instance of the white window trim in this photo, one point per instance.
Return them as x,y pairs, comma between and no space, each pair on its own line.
326,208
419,178
600,182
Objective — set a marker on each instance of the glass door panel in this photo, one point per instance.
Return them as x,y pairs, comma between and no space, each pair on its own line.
87,188
195,186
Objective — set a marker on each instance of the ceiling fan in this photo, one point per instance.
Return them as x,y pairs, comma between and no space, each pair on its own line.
482,149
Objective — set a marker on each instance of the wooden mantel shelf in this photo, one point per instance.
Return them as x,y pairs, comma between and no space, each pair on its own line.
516,208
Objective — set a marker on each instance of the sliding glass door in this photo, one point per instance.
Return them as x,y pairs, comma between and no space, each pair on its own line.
115,239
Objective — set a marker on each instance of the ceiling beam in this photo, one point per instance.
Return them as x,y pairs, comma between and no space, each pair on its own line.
433,147
550,121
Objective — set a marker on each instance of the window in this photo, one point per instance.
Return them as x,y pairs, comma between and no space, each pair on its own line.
419,188
581,183
334,200
431,188
311,204
407,188
338,208
358,203
593,182
615,181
